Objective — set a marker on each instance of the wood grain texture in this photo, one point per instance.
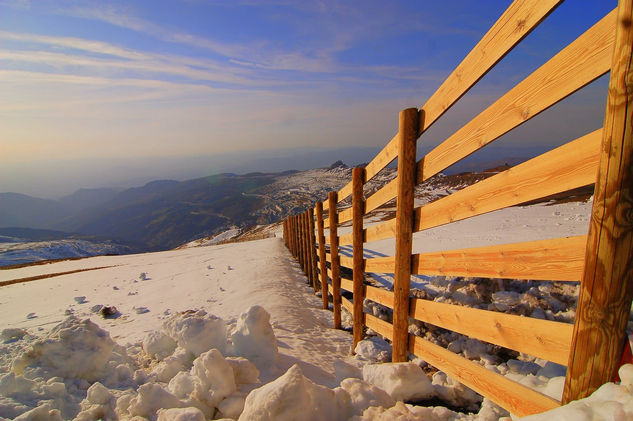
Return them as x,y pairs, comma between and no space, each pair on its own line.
517,21
581,62
345,215
564,168
358,272
382,159
383,328
344,192
606,291
559,259
407,132
382,196
347,285
379,295
516,398
322,261
539,338
347,304
348,262
336,277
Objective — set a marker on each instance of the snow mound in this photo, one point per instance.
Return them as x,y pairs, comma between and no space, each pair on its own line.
374,349
159,345
197,331
254,339
610,401
75,348
403,381
293,397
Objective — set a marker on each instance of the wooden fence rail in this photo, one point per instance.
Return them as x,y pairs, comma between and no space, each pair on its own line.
602,260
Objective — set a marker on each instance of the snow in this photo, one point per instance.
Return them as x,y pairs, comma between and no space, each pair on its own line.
12,253
232,331
403,381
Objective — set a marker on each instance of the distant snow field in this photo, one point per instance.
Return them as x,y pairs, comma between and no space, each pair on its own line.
12,253
233,331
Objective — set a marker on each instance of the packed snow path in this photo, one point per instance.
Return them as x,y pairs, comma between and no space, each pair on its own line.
223,280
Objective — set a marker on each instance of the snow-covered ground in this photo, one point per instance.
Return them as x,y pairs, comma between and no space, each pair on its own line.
12,253
154,355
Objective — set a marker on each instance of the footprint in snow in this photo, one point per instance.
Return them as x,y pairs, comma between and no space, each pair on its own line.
141,310
80,300
31,316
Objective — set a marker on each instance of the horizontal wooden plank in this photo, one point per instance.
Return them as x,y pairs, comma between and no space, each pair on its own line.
344,192
382,159
581,62
376,232
383,328
326,206
383,195
516,398
348,262
347,304
347,285
559,259
517,21
539,338
572,165
379,295
345,215
326,223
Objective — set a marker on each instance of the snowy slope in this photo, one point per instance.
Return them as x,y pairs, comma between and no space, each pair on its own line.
12,253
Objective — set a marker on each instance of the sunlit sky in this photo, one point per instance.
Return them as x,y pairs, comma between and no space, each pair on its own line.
89,88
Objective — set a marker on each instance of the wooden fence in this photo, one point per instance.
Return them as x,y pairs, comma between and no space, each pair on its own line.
602,260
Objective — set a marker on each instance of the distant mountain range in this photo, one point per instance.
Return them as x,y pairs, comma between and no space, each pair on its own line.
159,215
164,214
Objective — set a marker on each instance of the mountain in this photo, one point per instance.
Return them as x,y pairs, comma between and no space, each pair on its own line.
87,198
20,210
166,213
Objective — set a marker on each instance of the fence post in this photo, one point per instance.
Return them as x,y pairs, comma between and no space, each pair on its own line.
606,290
304,244
291,236
296,224
358,208
336,279
285,230
407,134
313,255
322,262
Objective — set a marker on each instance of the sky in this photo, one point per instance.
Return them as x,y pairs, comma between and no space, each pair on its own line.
96,94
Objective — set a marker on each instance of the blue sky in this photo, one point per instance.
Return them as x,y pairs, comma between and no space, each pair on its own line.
95,85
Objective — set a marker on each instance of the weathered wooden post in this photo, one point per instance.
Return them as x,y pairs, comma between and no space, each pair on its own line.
358,209
313,255
407,134
322,262
606,289
336,277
